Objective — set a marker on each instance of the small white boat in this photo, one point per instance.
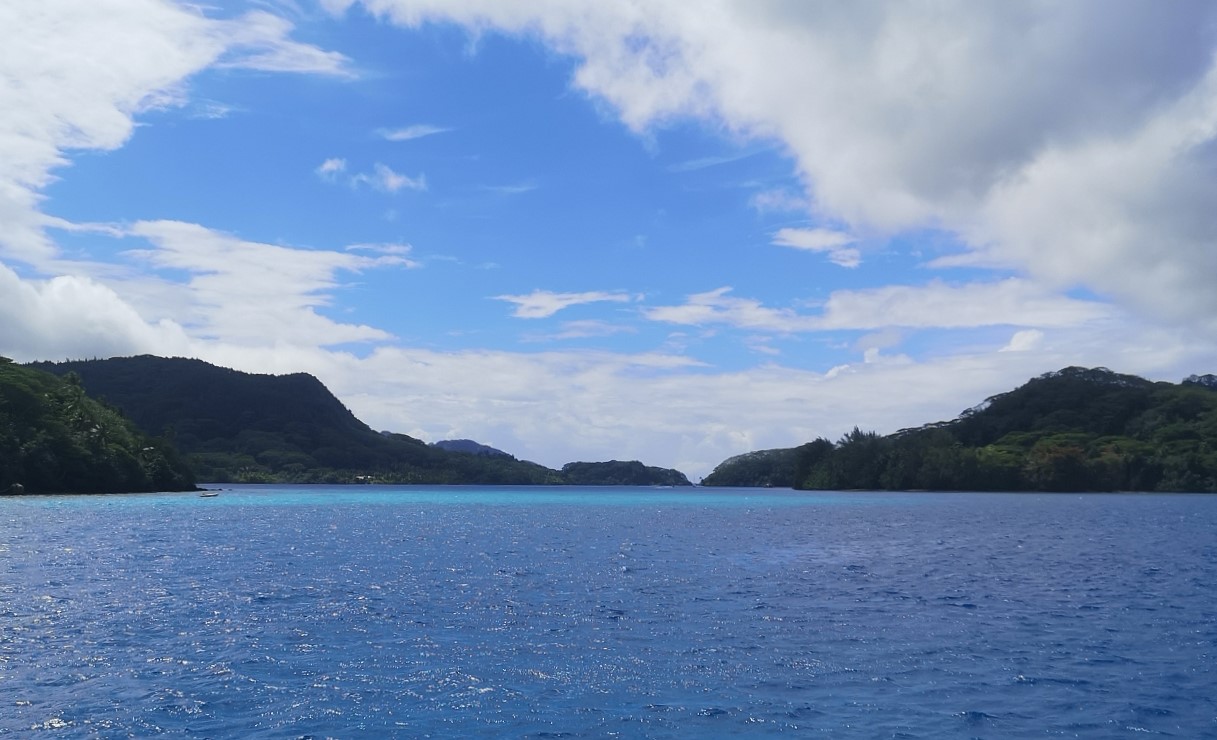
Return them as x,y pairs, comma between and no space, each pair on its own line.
209,494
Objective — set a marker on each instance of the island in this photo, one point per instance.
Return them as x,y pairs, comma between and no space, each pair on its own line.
1076,429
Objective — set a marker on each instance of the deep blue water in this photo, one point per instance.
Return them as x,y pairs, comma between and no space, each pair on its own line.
368,612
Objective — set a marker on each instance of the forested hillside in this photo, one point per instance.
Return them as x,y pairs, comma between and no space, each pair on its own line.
55,439
241,427
763,468
1074,430
621,473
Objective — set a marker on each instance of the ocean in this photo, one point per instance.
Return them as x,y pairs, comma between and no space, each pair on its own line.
279,611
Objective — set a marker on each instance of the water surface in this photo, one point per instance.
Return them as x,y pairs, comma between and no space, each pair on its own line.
540,612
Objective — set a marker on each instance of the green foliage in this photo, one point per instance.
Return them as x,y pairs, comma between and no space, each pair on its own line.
618,473
761,468
1074,430
55,439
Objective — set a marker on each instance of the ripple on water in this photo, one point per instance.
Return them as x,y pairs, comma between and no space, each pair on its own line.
289,613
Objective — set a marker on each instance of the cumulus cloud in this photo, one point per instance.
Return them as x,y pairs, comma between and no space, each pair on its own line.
72,316
541,304
1073,142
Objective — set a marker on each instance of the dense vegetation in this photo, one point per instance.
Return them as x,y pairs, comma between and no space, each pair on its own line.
468,445
242,428
619,473
54,438
1073,430
765,468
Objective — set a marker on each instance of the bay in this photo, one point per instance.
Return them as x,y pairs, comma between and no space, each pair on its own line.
279,611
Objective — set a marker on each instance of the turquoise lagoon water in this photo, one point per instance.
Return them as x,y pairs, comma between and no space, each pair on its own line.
581,612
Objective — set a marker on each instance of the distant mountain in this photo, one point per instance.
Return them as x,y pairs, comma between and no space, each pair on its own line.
56,439
1078,429
240,427
617,473
469,447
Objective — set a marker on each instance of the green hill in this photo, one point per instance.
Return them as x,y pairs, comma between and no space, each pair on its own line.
763,468
1074,430
55,439
621,473
241,427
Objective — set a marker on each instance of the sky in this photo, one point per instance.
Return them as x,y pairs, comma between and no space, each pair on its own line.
646,229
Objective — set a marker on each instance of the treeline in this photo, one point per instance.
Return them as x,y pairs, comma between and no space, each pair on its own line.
1073,430
54,438
621,473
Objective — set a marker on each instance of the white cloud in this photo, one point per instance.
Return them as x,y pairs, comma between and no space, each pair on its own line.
541,304
397,251
815,240
936,305
236,293
382,177
75,73
260,40
821,240
73,316
75,77
1024,341
331,167
407,133
246,292
716,307
1072,141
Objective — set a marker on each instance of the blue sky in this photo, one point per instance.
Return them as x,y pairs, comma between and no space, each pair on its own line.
665,231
